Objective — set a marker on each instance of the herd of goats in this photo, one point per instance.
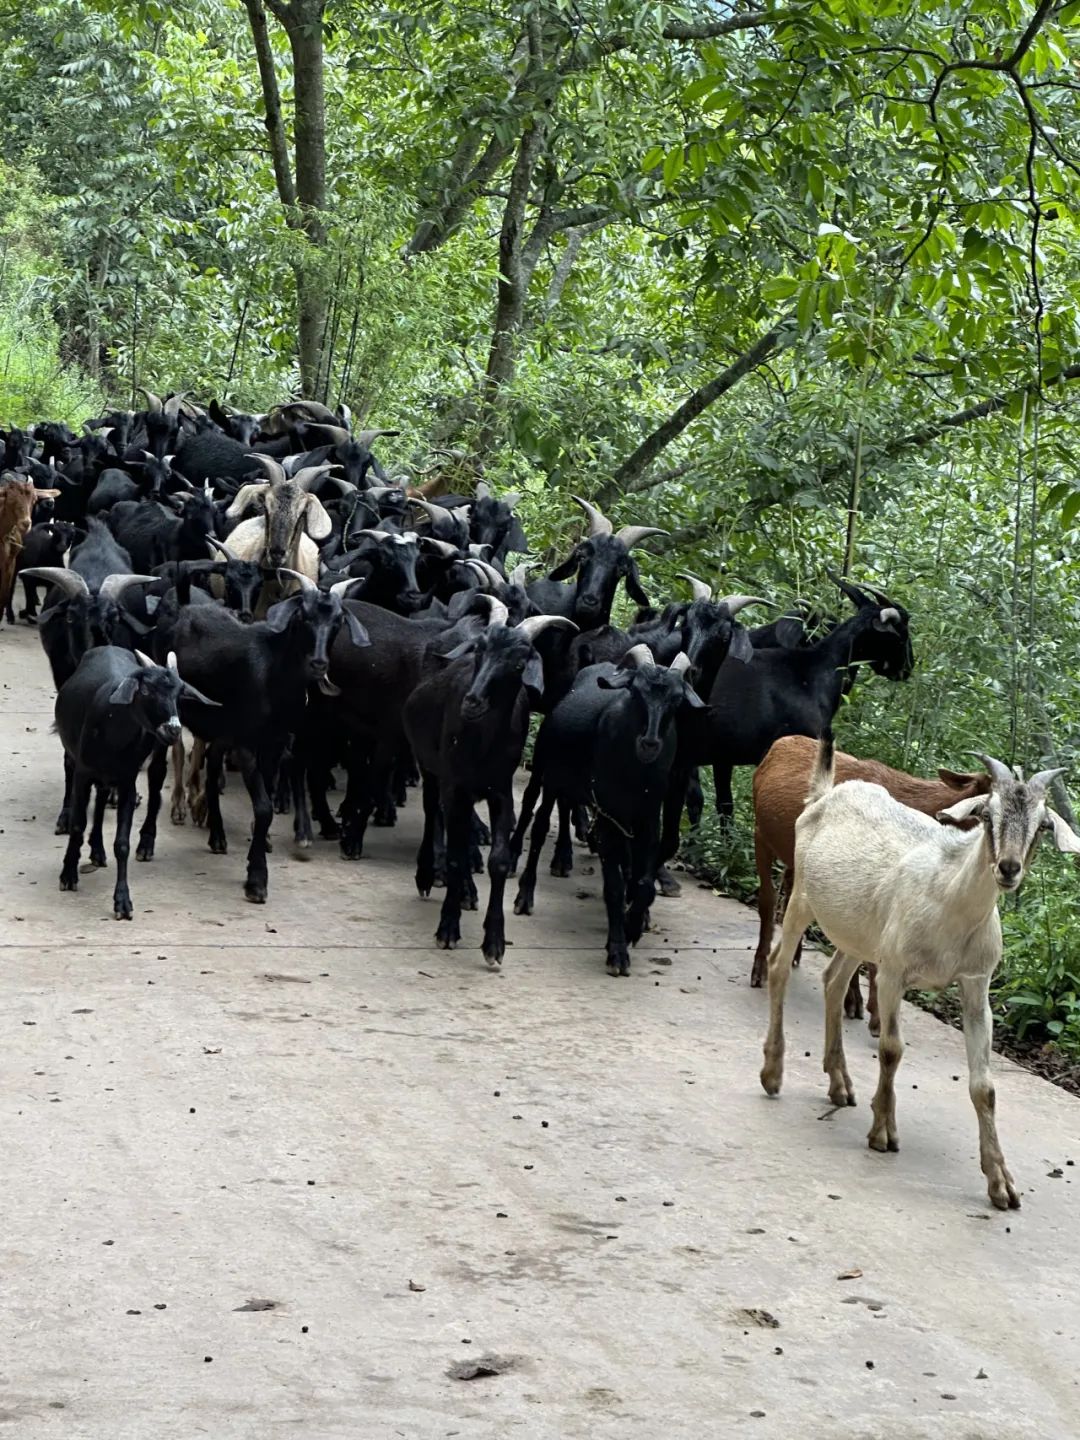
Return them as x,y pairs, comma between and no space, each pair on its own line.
255,590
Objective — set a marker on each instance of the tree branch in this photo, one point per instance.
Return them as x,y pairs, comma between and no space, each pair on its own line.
275,124
633,468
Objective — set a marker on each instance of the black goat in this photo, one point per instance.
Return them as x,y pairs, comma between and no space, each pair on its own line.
154,533
45,544
467,726
610,743
796,691
599,561
116,710
259,674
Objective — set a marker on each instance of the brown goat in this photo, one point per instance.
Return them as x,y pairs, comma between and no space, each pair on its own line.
780,785
17,500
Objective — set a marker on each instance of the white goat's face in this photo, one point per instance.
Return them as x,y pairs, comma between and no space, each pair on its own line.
1013,815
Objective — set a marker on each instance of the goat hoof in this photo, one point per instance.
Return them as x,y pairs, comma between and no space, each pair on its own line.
351,850
667,885
218,846
880,1141
122,912
69,882
302,850
61,826
875,1025
255,892
330,831
772,1077
523,905
98,860
448,935
177,815
145,850
618,964
493,964
1003,1193
385,819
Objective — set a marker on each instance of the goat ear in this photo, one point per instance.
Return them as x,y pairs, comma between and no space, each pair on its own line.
632,581
279,615
692,698
789,632
958,779
618,681
568,567
973,807
533,678
459,651
318,522
357,634
188,692
124,692
1064,838
740,647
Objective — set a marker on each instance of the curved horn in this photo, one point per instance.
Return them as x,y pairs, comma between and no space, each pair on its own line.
681,663
483,490
632,535
488,571
499,613
518,575
999,773
533,625
441,547
368,437
700,589
113,586
153,402
310,476
144,660
220,546
340,586
306,583
599,524
512,499
244,497
889,614
345,486
70,581
374,535
274,472
858,597
735,603
1039,783
335,434
378,491
170,662
637,656
172,405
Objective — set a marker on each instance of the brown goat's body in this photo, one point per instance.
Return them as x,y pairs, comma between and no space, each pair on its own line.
781,782
17,499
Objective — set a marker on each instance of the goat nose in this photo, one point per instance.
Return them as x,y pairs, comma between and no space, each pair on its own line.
1008,870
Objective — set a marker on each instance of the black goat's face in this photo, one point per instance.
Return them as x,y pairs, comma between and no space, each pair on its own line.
393,570
504,659
316,617
243,581
154,695
489,521
889,638
355,461
656,696
600,562
709,634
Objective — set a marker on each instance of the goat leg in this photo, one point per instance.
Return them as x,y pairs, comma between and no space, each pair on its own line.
978,1033
613,861
97,840
63,820
125,810
425,856
80,800
837,973
215,760
259,772
562,859
526,894
177,808
501,813
883,1132
457,811
155,780
528,805
796,919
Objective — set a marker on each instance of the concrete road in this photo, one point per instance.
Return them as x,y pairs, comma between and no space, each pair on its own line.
417,1166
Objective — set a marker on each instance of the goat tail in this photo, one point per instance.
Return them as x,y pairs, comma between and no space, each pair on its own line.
823,776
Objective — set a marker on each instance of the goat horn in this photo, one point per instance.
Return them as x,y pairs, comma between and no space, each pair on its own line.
735,603
144,660
340,586
511,499
113,586
487,570
637,656
373,534
1039,783
701,591
308,407
70,581
172,405
368,437
518,575
170,662
153,402
274,472
443,548
310,476
222,547
378,491
499,613
306,583
889,613
483,490
681,663
632,535
599,524
336,434
533,625
999,773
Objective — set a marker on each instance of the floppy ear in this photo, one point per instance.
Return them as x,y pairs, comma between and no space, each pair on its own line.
188,692
357,634
789,631
533,678
958,779
465,648
618,681
1064,838
632,581
124,692
740,647
568,567
693,699
317,521
279,615
973,807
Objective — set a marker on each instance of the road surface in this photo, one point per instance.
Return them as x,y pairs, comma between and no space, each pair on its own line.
290,1170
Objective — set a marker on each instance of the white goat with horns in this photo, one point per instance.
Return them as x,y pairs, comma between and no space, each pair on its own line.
892,887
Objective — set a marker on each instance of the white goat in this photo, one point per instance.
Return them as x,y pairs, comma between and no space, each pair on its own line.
292,519
892,887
